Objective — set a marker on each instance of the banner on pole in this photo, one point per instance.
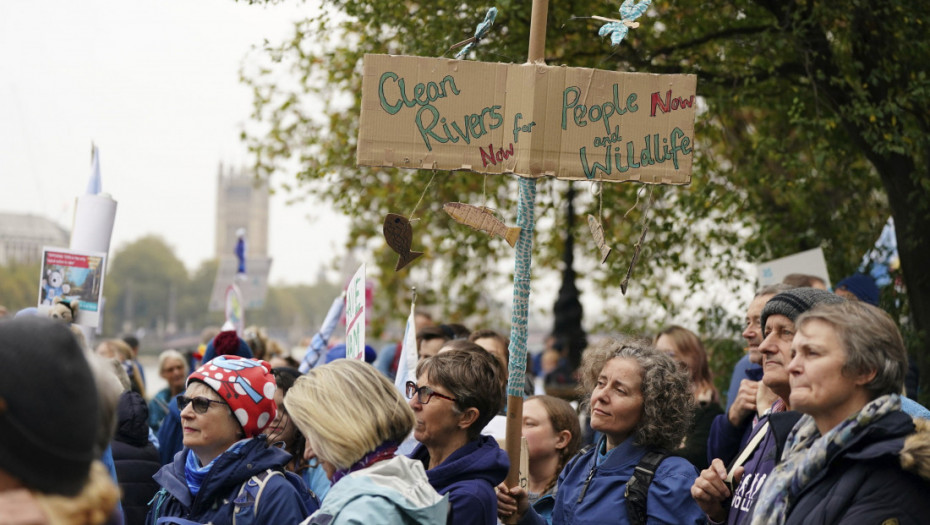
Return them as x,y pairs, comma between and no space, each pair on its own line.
234,308
407,363
527,119
355,316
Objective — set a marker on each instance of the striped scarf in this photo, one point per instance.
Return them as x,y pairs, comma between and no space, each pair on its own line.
807,454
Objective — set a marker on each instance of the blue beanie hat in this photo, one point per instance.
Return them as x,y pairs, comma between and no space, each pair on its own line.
339,352
862,286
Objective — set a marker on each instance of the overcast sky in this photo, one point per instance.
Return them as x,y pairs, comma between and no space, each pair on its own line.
155,84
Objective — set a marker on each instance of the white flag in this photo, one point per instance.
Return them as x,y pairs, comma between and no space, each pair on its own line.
407,364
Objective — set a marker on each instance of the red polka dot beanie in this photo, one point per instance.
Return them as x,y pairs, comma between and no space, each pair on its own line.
246,384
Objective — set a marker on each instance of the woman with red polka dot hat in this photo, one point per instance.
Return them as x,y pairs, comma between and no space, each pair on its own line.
226,460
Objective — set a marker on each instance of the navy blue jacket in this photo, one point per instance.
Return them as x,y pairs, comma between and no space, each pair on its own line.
591,491
135,458
724,440
469,476
280,501
864,481
170,435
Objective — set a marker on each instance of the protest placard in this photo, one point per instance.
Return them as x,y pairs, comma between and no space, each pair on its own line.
809,262
73,275
527,119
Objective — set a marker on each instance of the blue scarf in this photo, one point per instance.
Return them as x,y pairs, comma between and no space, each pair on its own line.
194,473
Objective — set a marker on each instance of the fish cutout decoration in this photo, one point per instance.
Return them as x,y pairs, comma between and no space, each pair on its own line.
481,218
618,29
636,248
598,232
399,235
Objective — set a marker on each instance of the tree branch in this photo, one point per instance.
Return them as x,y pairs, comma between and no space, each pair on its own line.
710,37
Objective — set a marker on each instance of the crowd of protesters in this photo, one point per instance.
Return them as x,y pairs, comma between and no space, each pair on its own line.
815,427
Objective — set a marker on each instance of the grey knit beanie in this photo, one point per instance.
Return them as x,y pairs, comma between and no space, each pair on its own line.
48,406
796,301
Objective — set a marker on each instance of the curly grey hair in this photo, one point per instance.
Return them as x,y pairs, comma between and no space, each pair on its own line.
668,405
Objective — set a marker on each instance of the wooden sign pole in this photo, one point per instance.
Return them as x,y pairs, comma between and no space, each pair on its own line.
521,281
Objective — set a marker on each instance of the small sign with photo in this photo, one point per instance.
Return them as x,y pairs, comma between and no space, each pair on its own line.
73,275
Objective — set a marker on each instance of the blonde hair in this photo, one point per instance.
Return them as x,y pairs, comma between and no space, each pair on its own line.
92,506
109,388
346,409
120,373
119,347
124,353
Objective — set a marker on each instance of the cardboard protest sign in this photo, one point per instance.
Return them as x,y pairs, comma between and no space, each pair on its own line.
73,275
355,316
527,119
810,262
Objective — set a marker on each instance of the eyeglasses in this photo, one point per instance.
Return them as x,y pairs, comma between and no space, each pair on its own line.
423,393
201,404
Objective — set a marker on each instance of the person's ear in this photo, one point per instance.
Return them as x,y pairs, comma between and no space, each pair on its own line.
468,418
866,377
562,439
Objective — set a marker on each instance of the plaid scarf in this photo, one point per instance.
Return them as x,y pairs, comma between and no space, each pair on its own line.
807,454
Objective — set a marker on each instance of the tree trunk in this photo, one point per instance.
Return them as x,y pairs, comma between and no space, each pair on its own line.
910,206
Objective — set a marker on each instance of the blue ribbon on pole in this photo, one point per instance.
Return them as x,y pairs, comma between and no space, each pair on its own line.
480,31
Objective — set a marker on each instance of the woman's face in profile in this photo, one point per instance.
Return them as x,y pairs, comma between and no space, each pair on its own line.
282,428
617,399
818,385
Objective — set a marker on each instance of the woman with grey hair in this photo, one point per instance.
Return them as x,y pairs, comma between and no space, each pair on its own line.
172,367
854,457
354,419
640,401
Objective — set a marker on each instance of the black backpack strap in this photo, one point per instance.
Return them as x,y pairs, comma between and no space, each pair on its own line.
574,459
637,488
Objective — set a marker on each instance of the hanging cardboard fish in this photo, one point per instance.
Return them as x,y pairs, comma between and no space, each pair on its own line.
399,235
598,232
481,218
636,248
